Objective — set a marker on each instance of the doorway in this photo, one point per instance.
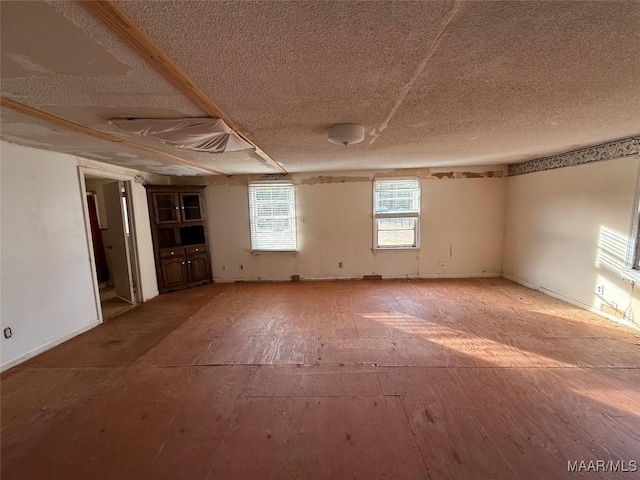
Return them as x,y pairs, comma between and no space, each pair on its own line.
108,202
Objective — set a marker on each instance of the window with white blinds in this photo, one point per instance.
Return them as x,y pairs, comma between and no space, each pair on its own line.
396,212
272,210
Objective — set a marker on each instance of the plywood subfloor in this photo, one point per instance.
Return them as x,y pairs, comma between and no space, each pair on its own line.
393,379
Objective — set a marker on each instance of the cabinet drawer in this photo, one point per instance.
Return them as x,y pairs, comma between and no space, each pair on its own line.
174,252
197,249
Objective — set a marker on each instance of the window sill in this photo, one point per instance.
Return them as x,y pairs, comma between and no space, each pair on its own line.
269,252
631,275
393,249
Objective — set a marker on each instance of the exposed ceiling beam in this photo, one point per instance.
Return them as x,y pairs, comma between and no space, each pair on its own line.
119,22
68,124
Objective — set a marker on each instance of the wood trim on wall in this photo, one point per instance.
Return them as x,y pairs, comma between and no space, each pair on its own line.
120,23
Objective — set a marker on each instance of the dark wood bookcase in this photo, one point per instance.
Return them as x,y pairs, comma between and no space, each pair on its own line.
179,236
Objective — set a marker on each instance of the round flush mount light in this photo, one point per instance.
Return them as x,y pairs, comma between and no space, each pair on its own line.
346,133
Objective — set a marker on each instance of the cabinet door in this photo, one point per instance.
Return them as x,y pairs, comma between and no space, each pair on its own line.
198,266
174,272
166,207
191,207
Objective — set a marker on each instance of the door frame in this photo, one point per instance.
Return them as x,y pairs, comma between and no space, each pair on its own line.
133,243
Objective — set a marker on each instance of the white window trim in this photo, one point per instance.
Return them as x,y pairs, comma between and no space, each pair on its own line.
257,251
632,267
375,216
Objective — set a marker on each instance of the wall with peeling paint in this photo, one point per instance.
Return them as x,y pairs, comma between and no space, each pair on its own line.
47,287
570,230
462,224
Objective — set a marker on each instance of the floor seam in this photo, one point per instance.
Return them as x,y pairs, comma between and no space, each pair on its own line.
358,364
244,394
322,396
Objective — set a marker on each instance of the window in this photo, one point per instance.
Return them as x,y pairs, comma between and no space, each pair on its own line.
396,212
272,214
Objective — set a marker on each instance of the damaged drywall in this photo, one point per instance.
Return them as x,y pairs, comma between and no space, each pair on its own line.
325,179
310,179
59,58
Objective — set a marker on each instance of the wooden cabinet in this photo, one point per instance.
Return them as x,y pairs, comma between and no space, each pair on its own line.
198,267
166,207
174,272
179,236
182,207
190,204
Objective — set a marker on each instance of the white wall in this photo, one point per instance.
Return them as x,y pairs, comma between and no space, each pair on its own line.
47,291
462,223
569,230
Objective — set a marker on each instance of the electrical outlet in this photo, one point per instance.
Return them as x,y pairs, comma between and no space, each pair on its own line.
8,333
224,268
241,267
339,264
600,289
441,262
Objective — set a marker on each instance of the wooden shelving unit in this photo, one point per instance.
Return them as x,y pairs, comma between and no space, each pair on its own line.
179,236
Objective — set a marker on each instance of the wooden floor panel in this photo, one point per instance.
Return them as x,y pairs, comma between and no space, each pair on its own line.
34,401
315,381
176,351
453,443
136,430
264,350
529,421
320,438
460,379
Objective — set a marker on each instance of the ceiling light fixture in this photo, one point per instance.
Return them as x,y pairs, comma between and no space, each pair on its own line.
346,133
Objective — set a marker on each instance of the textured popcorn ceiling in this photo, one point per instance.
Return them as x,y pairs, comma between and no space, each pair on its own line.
435,83
60,59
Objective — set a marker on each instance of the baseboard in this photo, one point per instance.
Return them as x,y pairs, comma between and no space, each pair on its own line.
47,346
462,275
251,280
360,277
571,301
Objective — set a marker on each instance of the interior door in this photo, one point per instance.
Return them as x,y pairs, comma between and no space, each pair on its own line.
118,240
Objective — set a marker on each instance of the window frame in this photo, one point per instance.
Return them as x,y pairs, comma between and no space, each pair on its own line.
292,215
632,268
635,257
376,216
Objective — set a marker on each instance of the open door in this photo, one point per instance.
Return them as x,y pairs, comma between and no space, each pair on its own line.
118,243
